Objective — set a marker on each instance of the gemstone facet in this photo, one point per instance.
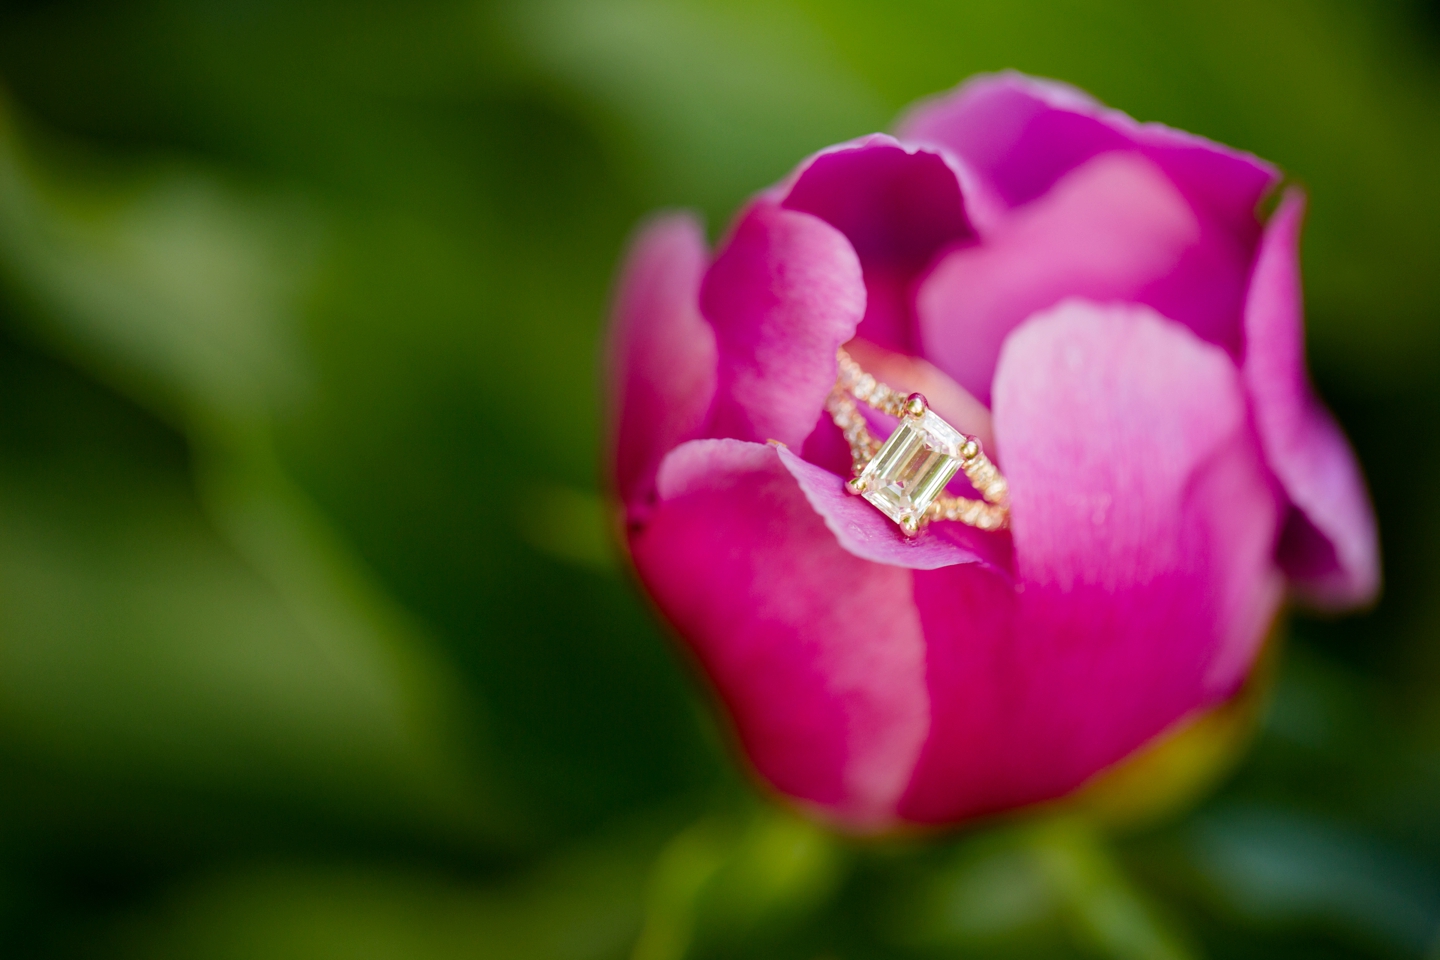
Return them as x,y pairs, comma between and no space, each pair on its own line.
912,467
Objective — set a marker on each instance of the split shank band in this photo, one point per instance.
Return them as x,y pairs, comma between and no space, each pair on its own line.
905,476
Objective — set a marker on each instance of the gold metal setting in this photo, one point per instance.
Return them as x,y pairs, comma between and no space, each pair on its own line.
924,452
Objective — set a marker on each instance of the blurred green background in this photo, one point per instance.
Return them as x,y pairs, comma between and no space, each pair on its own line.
298,298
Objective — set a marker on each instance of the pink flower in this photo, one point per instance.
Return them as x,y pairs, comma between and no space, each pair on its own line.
1098,301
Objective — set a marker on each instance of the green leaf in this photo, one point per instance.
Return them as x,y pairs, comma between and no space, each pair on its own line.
581,905
732,883
707,102
1052,884
229,642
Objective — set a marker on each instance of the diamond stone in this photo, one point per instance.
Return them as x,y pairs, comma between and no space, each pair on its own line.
912,467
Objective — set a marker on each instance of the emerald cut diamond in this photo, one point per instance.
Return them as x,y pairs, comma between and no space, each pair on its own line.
911,468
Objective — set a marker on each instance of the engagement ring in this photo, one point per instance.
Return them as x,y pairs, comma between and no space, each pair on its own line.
905,476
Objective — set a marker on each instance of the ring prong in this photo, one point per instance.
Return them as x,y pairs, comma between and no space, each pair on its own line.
853,386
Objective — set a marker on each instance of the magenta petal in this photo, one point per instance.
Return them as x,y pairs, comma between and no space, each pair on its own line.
784,293
898,206
1108,231
1144,526
817,654
1331,549
1021,135
972,763
661,353
895,204
1134,473
870,535
1019,138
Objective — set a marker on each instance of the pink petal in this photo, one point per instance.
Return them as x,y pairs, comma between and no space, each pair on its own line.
867,533
909,374
894,203
898,206
817,654
1021,135
1144,526
971,763
1020,138
1330,549
1110,230
661,353
784,293
826,447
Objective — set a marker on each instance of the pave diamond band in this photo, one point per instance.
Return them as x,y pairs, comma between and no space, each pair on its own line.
904,477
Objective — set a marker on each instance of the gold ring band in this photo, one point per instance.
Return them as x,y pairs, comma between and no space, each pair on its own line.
904,477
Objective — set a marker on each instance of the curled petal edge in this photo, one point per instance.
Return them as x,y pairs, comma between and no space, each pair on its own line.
1330,548
661,354
817,654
